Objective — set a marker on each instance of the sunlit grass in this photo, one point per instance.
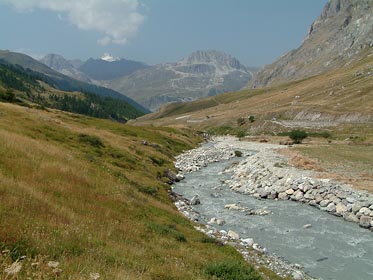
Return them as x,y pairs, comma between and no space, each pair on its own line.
76,190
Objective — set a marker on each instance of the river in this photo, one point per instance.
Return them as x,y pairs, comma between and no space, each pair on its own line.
330,248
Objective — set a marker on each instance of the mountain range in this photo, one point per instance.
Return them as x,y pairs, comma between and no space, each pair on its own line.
201,74
325,82
32,81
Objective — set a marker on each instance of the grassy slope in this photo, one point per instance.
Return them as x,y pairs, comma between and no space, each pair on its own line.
334,94
86,193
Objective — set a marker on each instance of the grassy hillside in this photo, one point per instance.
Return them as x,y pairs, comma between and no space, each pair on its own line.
27,87
62,82
342,96
87,193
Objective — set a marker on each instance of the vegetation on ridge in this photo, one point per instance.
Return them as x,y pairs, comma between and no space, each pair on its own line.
24,86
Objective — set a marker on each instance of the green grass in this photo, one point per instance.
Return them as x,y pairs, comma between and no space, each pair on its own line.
232,271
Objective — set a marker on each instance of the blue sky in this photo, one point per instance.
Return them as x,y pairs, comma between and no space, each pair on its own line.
157,31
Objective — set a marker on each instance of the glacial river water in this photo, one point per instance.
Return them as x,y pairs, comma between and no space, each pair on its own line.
331,249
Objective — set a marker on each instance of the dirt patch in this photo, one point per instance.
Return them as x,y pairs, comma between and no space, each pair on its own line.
298,160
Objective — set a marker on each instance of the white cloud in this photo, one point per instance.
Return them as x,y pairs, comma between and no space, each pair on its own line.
117,20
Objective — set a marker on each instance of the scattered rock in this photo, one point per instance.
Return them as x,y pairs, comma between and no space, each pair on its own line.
248,241
94,276
331,207
341,209
350,217
365,221
297,275
289,191
307,226
233,234
53,264
13,269
195,200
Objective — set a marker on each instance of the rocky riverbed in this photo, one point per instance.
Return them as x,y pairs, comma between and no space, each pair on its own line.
265,175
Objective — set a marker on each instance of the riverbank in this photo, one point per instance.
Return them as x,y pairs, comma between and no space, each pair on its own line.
264,174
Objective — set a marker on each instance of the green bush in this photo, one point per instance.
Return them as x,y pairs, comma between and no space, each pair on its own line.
298,135
238,153
241,134
252,118
230,270
7,96
91,140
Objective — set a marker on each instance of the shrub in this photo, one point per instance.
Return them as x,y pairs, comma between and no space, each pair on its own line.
91,140
252,119
297,136
230,270
241,134
241,121
7,96
238,153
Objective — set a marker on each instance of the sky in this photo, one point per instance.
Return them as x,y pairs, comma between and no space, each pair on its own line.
156,31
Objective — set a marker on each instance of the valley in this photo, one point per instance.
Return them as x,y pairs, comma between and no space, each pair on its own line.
198,168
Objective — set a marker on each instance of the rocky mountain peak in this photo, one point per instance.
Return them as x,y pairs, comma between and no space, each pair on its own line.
212,57
56,61
343,29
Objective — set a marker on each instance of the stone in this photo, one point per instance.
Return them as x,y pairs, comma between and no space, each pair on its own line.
263,193
283,196
356,207
350,217
180,177
13,269
297,275
365,211
325,203
371,207
299,196
318,198
94,276
365,221
272,195
350,199
195,200
312,203
53,264
220,222
341,208
307,226
248,241
171,176
212,221
331,207
309,196
289,191
233,235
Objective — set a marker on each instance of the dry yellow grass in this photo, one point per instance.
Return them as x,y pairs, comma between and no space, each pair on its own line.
88,194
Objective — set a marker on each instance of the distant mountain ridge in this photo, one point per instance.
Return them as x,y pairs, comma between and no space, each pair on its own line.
66,67
63,82
100,69
201,74
343,29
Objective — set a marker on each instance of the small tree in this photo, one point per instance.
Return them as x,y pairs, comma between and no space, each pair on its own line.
252,118
297,136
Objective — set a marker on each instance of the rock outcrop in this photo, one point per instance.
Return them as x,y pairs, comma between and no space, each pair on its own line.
340,33
202,74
